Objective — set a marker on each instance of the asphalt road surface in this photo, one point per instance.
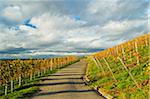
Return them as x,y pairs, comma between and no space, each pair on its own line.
66,84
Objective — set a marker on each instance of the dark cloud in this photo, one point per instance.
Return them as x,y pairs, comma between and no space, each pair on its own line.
15,51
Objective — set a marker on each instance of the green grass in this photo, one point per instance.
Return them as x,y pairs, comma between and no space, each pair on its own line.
125,87
24,93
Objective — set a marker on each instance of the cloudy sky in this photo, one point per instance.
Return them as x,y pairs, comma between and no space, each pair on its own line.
62,27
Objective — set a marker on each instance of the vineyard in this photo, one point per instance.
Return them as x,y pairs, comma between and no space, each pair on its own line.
123,70
120,72
16,73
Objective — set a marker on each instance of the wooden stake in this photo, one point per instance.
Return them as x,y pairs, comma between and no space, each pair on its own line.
6,88
136,49
129,73
100,65
110,69
31,76
123,53
117,50
95,62
20,80
146,42
51,64
11,84
130,56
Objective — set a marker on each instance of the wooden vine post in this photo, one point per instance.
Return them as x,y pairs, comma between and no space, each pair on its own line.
110,70
116,50
6,89
11,77
11,85
19,80
100,65
51,64
95,62
137,56
123,52
129,73
130,56
146,42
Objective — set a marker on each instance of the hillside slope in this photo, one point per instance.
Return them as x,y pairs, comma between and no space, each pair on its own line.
122,71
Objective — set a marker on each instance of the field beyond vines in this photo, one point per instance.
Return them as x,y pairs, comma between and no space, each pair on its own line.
123,70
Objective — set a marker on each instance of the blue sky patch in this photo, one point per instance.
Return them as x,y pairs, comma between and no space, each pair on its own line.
26,22
77,18
30,25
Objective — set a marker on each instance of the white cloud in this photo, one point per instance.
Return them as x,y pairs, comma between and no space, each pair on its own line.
12,13
122,26
102,24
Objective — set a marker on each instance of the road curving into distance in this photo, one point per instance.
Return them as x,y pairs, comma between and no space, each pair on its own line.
66,84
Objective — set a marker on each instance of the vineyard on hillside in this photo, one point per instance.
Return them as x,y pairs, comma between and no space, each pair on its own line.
122,71
16,73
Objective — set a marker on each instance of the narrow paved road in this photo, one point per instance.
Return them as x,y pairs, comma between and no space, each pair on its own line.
66,84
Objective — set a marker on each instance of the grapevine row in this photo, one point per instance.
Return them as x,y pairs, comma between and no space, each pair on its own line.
17,70
123,58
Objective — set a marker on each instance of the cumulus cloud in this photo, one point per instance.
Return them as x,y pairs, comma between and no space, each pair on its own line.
12,13
74,26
